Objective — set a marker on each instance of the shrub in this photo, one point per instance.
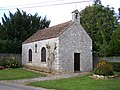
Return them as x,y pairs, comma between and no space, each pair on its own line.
1,67
2,62
100,63
116,66
103,68
9,62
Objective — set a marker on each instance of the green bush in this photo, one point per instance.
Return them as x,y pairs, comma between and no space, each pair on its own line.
1,67
116,66
103,68
2,62
100,63
9,62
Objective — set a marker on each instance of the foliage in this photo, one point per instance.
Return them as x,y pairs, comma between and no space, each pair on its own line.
1,67
116,66
10,46
99,22
79,83
114,45
13,74
100,63
103,68
2,62
9,62
17,28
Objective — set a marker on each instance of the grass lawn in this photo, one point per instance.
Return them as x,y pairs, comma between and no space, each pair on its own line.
19,73
80,83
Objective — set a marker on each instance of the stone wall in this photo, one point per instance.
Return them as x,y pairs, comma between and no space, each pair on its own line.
75,40
109,59
36,56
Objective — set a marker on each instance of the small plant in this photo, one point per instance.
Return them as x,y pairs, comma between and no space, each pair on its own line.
103,68
116,66
1,67
10,62
100,63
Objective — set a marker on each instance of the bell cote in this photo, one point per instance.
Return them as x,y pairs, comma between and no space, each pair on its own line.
76,16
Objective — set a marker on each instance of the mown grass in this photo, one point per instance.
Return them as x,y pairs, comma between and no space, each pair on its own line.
80,83
19,73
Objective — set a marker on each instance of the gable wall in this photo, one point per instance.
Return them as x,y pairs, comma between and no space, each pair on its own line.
36,57
75,40
86,48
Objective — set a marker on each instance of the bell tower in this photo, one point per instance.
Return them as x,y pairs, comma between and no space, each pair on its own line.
76,16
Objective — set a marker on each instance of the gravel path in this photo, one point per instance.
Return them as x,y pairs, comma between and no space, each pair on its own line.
25,81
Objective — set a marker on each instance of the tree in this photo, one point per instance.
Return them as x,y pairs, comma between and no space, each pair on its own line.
97,2
19,26
99,22
114,45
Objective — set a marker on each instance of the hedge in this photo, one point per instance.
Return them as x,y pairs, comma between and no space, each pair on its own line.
116,66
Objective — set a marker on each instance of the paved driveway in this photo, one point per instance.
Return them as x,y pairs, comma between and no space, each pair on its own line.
7,86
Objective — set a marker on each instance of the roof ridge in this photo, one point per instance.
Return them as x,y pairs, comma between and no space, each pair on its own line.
65,28
50,32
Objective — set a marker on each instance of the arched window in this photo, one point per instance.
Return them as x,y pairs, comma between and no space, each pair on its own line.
35,48
30,55
43,55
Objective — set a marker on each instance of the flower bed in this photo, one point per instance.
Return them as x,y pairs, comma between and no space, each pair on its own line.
1,67
103,77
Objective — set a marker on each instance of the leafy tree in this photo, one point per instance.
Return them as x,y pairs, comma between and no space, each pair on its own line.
18,27
99,22
114,45
10,46
97,2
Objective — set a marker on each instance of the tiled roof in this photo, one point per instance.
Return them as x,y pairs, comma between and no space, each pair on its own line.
48,33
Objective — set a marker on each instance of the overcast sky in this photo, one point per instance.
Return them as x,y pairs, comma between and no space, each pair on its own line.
57,11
